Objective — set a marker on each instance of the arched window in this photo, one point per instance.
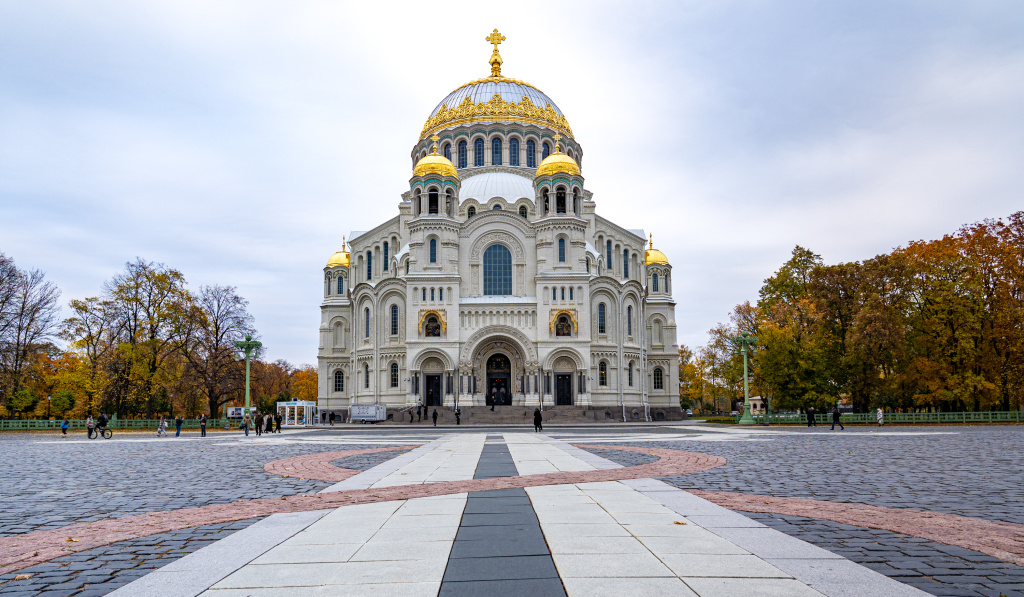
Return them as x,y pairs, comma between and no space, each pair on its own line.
588,265
563,293
470,212
497,271
431,295
554,294
522,211
545,151
366,314
433,250
602,374
563,327
407,268
576,201
339,381
432,202
625,263
369,265
570,293
394,320
629,320
496,151
462,154
386,255
513,152
417,204
654,282
440,294
601,328
478,152
659,379
394,375
329,286
366,375
496,207
531,154
629,376
448,151
544,196
341,285
560,200
608,253
561,250
424,295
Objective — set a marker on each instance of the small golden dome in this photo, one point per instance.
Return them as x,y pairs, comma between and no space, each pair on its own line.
340,259
435,164
558,162
653,256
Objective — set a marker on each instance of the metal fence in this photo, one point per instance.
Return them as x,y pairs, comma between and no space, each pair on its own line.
1011,416
33,424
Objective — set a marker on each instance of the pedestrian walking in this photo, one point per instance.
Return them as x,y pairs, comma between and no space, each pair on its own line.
270,424
458,416
89,426
259,424
277,423
411,418
245,424
202,425
494,397
419,408
435,417
810,417
161,427
835,419
177,425
331,418
538,420
880,416
64,428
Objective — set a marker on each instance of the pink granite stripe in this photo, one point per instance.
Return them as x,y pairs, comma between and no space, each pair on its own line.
318,466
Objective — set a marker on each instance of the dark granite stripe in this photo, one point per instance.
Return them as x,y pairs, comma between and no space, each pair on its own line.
500,549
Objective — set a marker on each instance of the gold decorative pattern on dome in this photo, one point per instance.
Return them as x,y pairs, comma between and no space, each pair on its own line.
558,162
493,110
340,259
653,256
435,164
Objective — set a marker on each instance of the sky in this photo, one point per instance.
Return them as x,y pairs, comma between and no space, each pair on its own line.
237,141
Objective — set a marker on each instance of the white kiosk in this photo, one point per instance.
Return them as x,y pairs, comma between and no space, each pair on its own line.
298,413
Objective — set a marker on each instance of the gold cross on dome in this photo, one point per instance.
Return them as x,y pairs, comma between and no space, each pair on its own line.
435,139
495,38
556,138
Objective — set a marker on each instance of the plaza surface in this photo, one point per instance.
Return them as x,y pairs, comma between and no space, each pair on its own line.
604,510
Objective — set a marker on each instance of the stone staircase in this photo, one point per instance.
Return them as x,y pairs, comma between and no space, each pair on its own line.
510,415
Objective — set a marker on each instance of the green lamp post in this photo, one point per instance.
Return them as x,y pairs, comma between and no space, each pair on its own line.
745,342
249,346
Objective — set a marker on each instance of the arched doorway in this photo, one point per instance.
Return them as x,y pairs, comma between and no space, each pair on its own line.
564,369
499,380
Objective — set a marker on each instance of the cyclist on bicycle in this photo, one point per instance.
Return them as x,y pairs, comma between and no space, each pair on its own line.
101,424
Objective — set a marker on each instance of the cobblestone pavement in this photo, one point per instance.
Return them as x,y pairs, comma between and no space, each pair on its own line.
100,571
932,567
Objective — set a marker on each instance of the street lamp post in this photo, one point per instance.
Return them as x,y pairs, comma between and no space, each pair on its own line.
745,342
47,406
249,346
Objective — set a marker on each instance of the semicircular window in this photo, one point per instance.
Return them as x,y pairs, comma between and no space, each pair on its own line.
497,271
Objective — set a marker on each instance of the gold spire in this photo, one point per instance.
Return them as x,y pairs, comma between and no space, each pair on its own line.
494,39
341,258
557,137
435,139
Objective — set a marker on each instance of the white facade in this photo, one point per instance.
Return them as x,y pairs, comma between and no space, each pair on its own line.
497,279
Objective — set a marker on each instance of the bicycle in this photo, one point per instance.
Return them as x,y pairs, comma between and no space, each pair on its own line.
105,432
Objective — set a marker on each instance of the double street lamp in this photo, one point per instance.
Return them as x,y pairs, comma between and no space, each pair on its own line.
248,346
745,342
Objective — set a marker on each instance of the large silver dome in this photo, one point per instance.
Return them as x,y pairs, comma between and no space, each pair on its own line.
482,91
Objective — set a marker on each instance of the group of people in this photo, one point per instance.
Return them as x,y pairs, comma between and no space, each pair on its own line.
262,423
812,422
422,412
161,427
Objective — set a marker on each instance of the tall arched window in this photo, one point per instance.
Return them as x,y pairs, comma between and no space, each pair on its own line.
601,328
561,250
440,294
329,286
394,375
369,265
544,196
339,381
554,294
654,282
341,285
522,211
531,154
570,293
496,151
433,250
625,263
576,201
478,152
366,316
629,320
448,151
385,254
424,295
659,379
470,212
497,271
432,202
463,162
608,253
366,375
629,376
602,374
563,293
431,295
545,151
513,152
560,200
394,320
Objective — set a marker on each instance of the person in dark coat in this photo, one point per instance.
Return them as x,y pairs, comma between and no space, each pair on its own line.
435,417
259,424
177,425
835,419
502,396
810,417
277,423
494,397
270,424
419,412
458,416
538,420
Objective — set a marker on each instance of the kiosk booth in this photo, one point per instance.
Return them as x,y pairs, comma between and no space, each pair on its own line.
298,413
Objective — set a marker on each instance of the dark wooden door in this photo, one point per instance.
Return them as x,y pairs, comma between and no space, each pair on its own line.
563,389
433,390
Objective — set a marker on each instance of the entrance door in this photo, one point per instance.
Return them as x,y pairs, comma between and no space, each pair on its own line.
433,390
499,377
563,389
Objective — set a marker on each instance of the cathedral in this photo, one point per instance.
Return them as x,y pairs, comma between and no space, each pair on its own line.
497,282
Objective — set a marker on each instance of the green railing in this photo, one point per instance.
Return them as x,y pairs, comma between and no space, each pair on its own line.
825,418
42,424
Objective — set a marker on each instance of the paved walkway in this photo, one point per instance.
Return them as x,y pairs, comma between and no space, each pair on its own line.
638,536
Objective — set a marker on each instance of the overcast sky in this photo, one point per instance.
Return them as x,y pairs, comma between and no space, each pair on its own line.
238,141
